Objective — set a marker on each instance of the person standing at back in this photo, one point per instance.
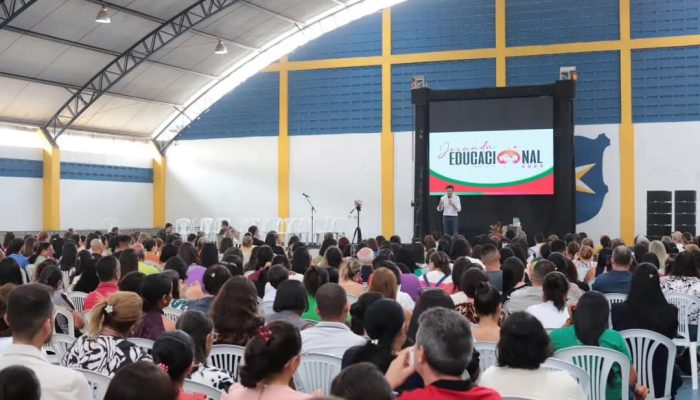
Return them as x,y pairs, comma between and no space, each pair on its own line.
491,258
330,336
30,316
450,207
619,279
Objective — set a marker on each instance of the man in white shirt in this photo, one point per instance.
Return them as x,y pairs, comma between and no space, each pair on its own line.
528,296
331,336
30,317
450,207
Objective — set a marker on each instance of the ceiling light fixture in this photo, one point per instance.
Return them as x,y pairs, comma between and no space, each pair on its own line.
220,48
103,16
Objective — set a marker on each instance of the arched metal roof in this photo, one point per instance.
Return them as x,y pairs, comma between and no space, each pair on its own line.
51,51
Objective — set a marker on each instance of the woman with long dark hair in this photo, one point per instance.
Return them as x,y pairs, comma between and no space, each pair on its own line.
552,312
428,300
235,312
647,308
87,273
513,276
590,328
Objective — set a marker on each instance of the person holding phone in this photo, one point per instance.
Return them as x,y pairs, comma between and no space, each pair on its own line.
450,208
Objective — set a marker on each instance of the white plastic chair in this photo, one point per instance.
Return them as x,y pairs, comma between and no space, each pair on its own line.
65,279
487,354
316,371
146,344
205,225
172,313
227,357
643,346
111,223
598,363
182,226
686,305
60,344
266,308
78,300
287,228
351,299
66,314
614,298
578,373
196,387
98,383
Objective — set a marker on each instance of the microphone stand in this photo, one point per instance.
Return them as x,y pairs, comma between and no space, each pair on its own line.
358,231
313,211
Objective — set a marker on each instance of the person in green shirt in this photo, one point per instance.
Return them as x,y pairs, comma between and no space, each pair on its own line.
314,278
588,326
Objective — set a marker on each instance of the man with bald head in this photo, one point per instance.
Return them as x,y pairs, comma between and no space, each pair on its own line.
619,279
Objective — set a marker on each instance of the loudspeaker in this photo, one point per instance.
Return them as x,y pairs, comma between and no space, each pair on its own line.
685,203
659,214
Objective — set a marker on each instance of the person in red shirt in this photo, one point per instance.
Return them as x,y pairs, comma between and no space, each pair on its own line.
442,352
109,273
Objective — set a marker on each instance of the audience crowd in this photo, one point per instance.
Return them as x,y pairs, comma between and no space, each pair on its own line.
402,320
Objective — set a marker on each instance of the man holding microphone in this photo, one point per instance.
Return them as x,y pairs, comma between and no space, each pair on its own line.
450,207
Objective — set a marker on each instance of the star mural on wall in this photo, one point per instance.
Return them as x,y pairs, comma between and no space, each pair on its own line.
581,171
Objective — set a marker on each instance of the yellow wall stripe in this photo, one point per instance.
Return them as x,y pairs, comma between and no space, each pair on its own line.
158,190
627,167
501,73
283,146
387,136
51,186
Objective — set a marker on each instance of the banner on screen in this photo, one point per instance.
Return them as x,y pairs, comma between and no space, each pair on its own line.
512,162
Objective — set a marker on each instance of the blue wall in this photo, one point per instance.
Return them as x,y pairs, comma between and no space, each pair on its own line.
18,168
666,83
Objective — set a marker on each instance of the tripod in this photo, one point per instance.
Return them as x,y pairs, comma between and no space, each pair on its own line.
358,232
313,211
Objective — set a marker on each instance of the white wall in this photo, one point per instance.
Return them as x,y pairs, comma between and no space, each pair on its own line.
404,183
21,202
666,158
335,170
86,204
222,178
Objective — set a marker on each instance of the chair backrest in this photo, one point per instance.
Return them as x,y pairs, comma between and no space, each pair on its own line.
65,279
643,346
62,312
196,387
686,305
266,308
598,363
142,343
227,357
614,298
60,344
182,226
316,371
487,354
172,313
98,383
78,300
578,373
205,225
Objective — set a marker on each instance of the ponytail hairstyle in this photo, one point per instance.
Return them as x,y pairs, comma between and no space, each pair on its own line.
214,278
358,311
51,276
38,248
153,289
441,261
555,287
268,352
174,353
120,311
486,299
383,322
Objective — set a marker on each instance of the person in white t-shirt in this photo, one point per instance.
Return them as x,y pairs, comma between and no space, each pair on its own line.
450,207
552,312
523,347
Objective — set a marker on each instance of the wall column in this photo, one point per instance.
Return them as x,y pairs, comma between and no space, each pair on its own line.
387,135
627,146
51,184
283,144
501,73
159,191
